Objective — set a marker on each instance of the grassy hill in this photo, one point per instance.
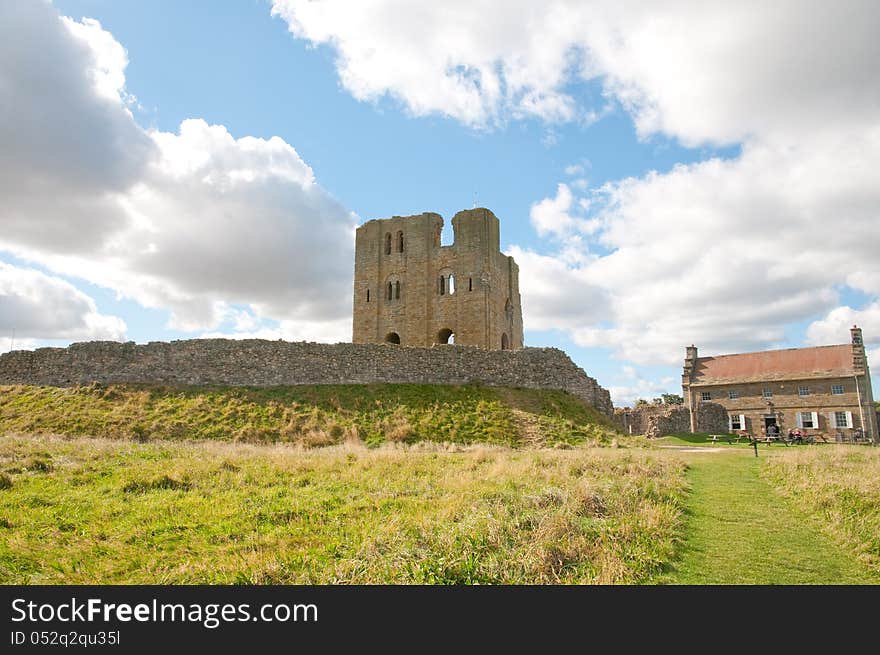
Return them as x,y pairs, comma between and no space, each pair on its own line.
310,416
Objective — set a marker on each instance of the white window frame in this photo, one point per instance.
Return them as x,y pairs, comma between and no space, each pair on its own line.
732,394
741,419
837,390
803,390
847,417
705,395
813,418
767,393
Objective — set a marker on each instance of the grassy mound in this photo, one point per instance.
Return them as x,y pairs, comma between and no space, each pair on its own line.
310,416
108,511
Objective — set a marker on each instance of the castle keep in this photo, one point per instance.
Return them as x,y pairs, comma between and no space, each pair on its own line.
411,290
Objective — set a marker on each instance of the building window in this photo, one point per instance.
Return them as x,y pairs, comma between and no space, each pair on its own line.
737,422
389,292
368,295
388,243
807,420
447,284
836,389
767,393
842,420
705,395
470,284
397,290
803,391
400,241
733,394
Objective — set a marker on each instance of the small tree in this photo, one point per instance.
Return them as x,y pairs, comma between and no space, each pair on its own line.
672,399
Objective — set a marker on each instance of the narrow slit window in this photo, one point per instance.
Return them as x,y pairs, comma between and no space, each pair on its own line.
397,290
368,295
400,241
470,284
442,285
388,243
389,291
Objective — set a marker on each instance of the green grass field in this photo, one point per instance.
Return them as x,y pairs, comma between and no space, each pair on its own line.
410,484
309,416
101,511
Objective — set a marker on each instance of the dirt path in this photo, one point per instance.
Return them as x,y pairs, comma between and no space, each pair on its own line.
741,531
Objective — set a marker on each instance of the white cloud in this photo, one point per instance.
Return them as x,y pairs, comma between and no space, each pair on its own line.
834,327
335,331
194,222
703,72
38,306
639,387
722,253
556,216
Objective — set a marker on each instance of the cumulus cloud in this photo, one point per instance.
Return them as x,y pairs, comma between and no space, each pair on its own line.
834,326
708,71
39,306
334,331
726,253
194,221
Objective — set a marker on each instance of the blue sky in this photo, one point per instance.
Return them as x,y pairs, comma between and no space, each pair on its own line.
650,205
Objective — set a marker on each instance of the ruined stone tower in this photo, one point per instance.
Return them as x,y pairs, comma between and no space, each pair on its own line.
410,290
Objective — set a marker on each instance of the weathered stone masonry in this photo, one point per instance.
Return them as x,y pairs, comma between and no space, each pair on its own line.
265,363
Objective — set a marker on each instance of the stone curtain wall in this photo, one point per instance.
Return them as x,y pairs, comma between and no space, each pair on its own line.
265,363
659,420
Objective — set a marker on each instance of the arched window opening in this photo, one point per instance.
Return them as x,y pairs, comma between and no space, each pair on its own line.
442,285
397,290
368,295
446,336
389,291
388,243
400,241
508,310
451,284
392,337
505,344
470,284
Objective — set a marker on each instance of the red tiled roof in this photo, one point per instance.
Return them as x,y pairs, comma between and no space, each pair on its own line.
794,363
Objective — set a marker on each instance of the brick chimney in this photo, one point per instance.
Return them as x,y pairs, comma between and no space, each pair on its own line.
690,363
858,349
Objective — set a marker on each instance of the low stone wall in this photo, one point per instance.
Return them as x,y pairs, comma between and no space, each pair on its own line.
257,362
659,420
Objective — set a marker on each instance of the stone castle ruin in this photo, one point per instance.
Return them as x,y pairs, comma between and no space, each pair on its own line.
410,294
411,290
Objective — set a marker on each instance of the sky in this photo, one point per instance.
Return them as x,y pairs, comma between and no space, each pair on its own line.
665,174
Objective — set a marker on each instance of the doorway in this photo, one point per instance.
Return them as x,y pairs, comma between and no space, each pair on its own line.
446,336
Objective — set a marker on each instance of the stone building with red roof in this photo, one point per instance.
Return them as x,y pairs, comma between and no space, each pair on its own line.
825,390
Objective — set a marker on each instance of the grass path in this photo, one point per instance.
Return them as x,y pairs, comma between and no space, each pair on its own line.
741,531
